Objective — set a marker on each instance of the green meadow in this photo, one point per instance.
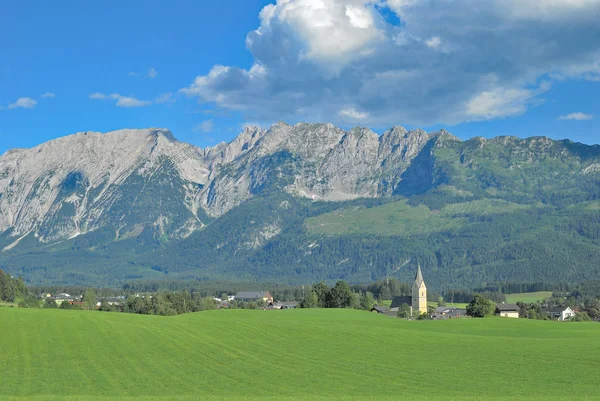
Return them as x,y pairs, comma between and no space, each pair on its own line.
400,218
310,354
528,297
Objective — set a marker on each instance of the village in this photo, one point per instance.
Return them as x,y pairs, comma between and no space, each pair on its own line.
415,306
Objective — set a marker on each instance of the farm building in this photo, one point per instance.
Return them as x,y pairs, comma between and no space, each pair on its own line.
561,314
445,312
508,310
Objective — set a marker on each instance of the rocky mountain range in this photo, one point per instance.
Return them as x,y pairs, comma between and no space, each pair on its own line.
145,189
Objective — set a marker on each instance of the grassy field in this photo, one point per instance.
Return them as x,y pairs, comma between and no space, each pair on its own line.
528,296
449,305
291,355
400,218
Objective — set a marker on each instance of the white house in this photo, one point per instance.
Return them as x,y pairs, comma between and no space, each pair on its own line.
561,314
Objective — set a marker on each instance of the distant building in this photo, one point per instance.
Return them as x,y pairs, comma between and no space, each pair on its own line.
508,310
418,300
253,296
63,297
445,312
400,300
282,305
561,314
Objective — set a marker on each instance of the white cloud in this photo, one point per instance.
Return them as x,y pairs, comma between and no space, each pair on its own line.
152,73
122,101
126,101
48,95
447,62
23,102
133,74
434,42
577,117
353,114
204,126
98,95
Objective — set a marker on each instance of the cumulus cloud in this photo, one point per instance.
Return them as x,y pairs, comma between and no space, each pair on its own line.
48,95
352,113
204,126
577,117
23,102
122,101
445,62
152,73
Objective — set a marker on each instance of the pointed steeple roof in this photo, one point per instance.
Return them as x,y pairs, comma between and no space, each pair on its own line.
419,276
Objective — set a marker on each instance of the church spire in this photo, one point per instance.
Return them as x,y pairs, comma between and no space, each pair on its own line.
419,293
419,276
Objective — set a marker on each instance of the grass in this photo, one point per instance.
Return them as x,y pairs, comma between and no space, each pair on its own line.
400,218
291,355
449,305
528,297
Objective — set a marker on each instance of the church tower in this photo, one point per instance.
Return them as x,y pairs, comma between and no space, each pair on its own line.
419,294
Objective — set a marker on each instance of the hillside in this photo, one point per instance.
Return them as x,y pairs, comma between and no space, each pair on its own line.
300,203
303,355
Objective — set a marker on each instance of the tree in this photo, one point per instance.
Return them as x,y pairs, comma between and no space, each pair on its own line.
385,293
105,307
367,301
30,301
224,296
340,295
404,311
311,301
207,303
354,301
441,301
322,290
50,303
480,307
581,317
89,300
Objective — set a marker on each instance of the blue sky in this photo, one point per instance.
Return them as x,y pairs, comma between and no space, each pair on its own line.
205,69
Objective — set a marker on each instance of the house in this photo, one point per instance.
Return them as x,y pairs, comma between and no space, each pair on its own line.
63,297
254,296
377,309
561,313
282,305
445,312
508,310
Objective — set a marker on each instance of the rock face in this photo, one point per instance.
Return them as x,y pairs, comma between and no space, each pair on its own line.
130,181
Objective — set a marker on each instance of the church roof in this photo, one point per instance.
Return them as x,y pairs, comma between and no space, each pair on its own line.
399,300
419,277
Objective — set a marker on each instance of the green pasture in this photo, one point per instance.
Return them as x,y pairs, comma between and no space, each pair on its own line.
400,218
528,297
318,354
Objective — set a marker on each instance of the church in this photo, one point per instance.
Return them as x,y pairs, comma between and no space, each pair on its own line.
418,300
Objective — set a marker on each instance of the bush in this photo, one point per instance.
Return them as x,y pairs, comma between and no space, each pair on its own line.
480,307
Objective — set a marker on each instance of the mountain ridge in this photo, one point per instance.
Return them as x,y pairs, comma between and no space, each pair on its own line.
147,189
